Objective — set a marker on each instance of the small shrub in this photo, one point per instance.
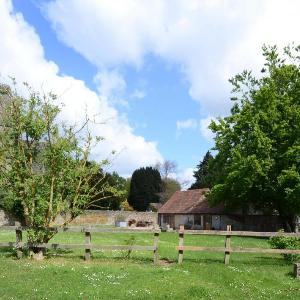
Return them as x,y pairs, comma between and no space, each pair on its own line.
282,242
126,206
129,242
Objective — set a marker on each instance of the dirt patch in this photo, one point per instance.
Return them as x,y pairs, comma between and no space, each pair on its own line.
166,262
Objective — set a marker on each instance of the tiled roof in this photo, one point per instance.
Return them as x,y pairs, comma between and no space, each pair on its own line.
190,202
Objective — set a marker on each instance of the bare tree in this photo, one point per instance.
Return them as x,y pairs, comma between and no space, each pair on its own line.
165,168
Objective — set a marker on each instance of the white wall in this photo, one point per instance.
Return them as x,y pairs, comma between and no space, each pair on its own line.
183,220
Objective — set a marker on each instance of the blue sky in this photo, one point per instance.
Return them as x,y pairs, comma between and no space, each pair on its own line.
156,70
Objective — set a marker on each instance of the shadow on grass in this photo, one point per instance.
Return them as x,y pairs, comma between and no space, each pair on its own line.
141,260
58,252
7,252
98,256
259,261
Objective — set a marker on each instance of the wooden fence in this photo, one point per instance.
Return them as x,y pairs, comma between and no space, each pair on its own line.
88,246
227,249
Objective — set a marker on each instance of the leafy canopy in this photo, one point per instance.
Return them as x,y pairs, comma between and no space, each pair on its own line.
259,143
44,169
112,197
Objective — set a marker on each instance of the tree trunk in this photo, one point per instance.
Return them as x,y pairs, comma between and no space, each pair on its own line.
289,224
37,253
38,237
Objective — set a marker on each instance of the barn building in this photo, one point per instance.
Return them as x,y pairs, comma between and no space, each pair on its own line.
191,209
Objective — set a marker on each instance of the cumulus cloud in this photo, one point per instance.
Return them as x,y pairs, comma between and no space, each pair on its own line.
109,83
22,56
209,40
185,177
111,86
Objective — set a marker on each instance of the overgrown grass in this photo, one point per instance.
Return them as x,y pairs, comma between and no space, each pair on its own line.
109,275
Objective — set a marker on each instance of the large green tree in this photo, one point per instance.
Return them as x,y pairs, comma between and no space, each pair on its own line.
259,143
145,187
44,169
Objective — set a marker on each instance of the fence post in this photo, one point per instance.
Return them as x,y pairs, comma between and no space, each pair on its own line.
155,252
181,238
88,240
297,270
227,246
19,240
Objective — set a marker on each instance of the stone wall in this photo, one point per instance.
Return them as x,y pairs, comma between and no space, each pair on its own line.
94,217
6,219
109,217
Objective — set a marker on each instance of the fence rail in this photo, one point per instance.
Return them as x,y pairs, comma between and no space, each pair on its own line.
227,249
87,246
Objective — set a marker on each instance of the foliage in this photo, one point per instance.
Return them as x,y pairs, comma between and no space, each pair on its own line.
113,189
203,173
44,168
129,242
259,143
282,242
169,187
145,186
125,206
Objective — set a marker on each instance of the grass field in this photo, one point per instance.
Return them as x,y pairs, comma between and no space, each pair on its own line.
109,275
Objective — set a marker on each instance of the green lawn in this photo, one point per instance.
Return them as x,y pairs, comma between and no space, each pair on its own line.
65,275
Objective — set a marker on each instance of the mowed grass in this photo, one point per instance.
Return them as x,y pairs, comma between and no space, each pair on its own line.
110,275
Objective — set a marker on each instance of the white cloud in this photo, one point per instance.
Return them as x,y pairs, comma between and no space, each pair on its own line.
109,83
185,177
193,124
186,124
111,86
205,131
210,40
137,94
22,56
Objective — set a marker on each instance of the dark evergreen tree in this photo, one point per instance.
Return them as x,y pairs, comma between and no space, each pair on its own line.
203,173
145,187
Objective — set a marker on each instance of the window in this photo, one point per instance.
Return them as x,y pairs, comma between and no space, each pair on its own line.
197,220
167,219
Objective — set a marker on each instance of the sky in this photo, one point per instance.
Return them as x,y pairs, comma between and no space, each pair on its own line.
155,73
